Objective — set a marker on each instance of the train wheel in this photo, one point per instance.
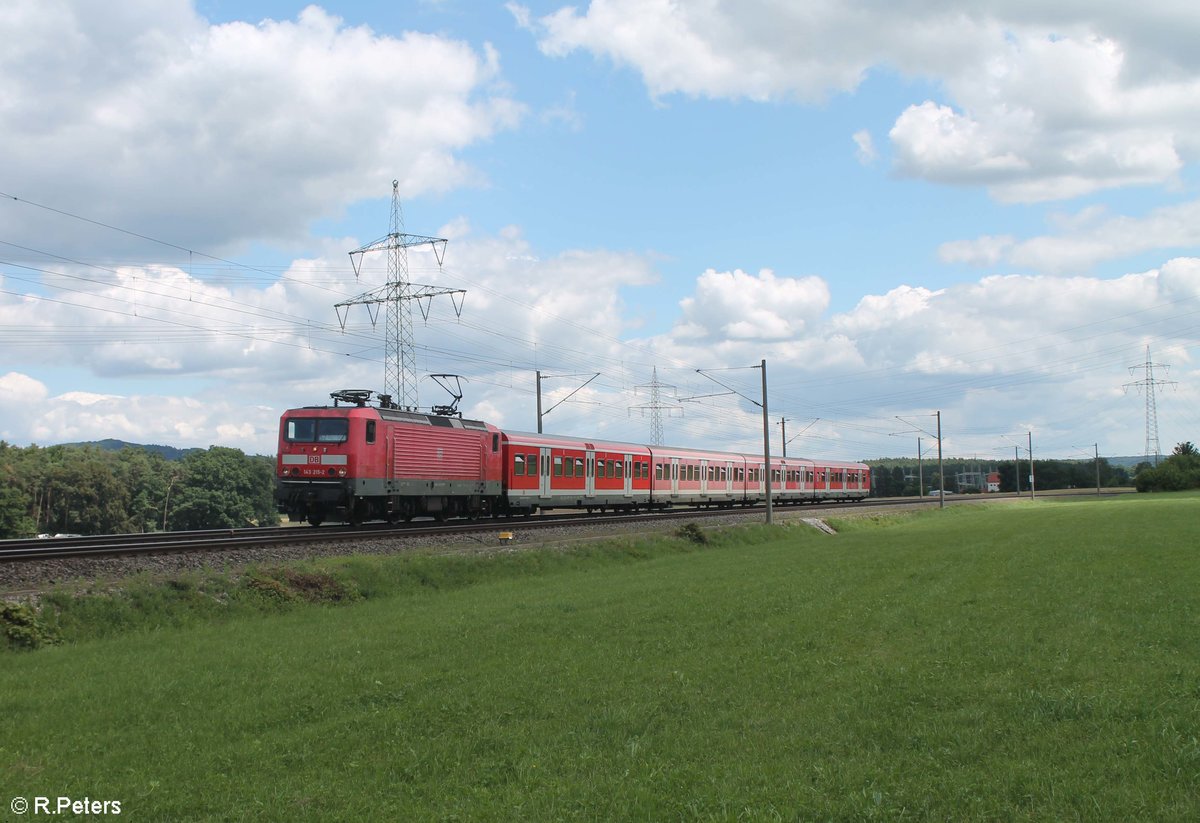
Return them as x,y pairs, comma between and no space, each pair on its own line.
315,519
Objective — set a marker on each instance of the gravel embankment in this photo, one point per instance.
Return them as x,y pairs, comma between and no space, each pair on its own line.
21,579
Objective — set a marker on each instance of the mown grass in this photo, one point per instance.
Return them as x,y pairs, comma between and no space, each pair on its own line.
1029,661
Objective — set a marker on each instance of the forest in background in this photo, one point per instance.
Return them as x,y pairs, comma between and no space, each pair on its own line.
87,489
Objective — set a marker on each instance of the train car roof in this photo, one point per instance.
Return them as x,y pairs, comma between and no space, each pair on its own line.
400,416
593,444
585,443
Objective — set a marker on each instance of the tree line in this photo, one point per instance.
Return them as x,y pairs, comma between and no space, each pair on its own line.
899,477
1181,470
88,490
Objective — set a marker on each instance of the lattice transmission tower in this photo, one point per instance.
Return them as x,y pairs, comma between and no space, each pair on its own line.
398,294
655,407
1149,382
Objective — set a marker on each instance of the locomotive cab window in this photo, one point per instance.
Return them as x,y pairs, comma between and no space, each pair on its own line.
316,430
370,431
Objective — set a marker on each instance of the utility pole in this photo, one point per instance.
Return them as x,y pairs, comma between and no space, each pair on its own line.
1032,480
399,362
1017,461
541,377
786,439
766,437
766,425
920,472
941,465
941,470
1096,446
783,434
1149,382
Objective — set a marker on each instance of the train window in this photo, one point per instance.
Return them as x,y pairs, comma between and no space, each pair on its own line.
316,430
300,430
620,467
558,469
370,431
333,430
519,465
579,467
495,443
658,471
568,467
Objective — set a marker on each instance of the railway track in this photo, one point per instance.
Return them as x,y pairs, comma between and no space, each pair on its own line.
224,539
215,540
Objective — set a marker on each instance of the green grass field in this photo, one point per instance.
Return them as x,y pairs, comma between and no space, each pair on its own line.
1030,661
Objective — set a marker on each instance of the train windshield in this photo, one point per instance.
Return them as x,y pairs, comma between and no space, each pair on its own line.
316,430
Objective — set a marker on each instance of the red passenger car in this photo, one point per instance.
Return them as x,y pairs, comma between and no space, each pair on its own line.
545,471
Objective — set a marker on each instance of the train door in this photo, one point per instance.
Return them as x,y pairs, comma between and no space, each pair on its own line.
589,485
674,476
544,474
628,475
704,477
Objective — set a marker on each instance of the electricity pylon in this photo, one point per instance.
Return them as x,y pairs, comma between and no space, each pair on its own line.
399,361
655,407
1149,382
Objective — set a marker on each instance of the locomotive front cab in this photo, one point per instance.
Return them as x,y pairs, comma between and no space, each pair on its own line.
316,463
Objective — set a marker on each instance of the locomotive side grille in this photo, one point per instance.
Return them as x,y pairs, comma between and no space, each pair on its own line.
450,455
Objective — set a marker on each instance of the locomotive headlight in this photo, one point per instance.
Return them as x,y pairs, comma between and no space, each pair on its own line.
341,472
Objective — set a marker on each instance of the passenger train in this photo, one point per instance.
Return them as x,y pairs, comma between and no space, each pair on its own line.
353,462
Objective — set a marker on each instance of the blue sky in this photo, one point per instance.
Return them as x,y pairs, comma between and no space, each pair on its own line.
990,211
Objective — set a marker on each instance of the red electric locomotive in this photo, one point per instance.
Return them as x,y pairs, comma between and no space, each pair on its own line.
356,462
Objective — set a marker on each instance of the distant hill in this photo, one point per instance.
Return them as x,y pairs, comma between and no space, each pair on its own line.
167,452
1130,462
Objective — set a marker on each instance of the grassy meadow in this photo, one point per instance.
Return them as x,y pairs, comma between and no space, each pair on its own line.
1025,661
